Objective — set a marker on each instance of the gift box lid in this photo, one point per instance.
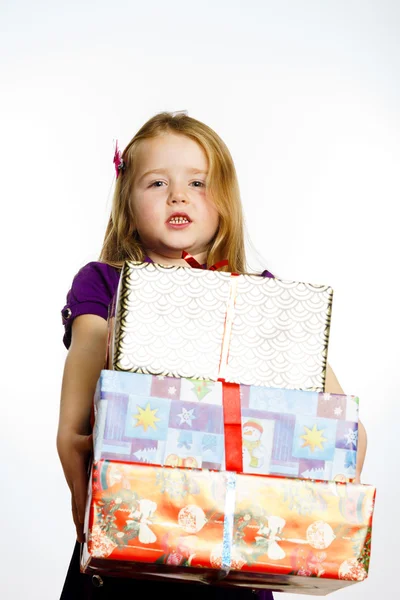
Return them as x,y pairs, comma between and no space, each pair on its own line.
195,323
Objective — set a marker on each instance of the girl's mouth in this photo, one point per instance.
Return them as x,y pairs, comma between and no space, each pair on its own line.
179,221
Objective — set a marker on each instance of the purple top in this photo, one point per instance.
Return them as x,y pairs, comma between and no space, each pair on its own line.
91,292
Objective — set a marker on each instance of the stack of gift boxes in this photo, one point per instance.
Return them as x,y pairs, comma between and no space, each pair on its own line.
218,457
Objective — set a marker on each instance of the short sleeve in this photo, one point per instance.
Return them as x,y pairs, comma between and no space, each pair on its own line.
92,291
268,274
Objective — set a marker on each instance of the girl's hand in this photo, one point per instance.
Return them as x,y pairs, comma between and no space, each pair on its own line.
75,451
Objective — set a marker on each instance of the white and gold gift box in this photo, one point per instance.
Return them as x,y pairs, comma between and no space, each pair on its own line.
203,324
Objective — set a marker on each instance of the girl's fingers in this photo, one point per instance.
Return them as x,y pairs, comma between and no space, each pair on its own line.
78,526
75,455
80,484
80,493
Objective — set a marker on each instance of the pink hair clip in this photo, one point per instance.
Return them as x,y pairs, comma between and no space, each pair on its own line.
118,160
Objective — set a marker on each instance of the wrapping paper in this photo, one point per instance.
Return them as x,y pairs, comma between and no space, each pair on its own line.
295,527
213,425
199,324
152,516
299,434
247,530
159,420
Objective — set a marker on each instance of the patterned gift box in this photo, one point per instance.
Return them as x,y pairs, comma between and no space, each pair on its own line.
297,528
144,519
203,324
247,530
159,420
180,422
311,435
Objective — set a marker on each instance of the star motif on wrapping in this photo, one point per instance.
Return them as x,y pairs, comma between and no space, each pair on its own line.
313,438
172,390
351,437
186,417
338,411
146,418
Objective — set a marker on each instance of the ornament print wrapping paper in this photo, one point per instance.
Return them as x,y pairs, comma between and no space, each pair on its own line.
201,324
294,527
248,530
152,515
179,422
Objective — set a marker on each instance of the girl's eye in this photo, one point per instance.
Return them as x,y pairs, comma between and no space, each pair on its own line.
194,183
202,184
156,182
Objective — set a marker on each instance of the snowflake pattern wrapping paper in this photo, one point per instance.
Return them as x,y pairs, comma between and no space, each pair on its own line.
200,324
311,435
248,530
159,420
180,422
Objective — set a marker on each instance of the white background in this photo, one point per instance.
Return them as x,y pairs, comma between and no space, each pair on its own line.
306,95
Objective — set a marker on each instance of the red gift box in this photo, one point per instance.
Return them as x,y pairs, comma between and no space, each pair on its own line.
218,527
142,518
310,536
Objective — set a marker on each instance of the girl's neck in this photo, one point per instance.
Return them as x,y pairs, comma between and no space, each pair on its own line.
169,261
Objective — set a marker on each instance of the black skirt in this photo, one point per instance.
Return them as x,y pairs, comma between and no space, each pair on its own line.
79,586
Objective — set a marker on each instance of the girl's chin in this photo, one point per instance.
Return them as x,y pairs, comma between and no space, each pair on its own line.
175,251
173,256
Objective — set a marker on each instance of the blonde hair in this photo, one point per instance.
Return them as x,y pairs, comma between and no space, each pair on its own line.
121,241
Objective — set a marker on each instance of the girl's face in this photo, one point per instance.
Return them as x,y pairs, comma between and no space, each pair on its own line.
172,208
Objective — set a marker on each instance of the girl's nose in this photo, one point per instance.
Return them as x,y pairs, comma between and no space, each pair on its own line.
177,195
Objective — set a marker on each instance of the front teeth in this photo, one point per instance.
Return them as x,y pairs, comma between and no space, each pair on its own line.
178,220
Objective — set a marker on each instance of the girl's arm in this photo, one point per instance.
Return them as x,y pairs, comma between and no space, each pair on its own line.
83,364
333,387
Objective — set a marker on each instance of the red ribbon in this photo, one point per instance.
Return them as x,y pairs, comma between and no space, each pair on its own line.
232,426
230,398
196,265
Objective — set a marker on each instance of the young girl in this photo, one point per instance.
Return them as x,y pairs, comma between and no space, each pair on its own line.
176,190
